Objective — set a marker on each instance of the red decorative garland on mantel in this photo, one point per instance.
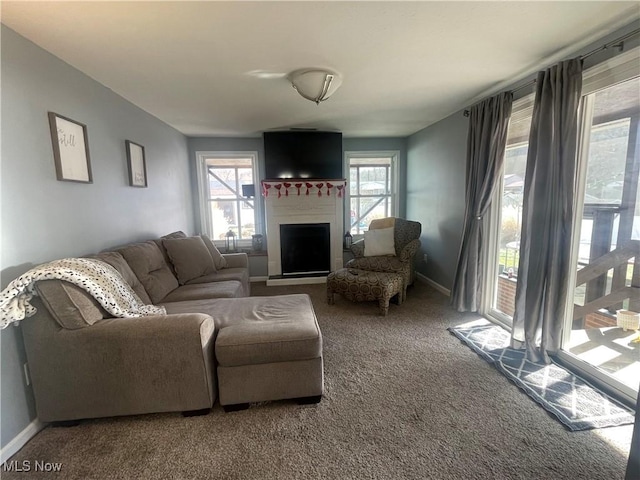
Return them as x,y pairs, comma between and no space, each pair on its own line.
295,187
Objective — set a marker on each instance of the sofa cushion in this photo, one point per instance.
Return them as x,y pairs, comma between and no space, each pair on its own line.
148,263
70,305
218,260
379,242
377,264
204,291
158,241
190,258
176,234
275,329
118,262
238,274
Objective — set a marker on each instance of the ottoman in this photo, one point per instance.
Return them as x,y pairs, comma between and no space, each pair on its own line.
272,351
360,285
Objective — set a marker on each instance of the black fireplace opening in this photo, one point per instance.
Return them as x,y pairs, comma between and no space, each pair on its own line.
305,248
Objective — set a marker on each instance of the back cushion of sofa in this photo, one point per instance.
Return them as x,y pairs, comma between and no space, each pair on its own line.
70,305
148,263
165,254
190,257
118,262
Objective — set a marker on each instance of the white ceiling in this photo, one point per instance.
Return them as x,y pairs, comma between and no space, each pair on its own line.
217,68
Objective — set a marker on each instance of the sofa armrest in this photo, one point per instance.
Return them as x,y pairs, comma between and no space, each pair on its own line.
357,248
236,260
179,330
409,250
124,366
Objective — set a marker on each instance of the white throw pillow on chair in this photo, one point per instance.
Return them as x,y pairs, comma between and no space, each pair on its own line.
379,242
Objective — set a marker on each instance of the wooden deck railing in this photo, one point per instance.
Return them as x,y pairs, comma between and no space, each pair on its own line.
600,266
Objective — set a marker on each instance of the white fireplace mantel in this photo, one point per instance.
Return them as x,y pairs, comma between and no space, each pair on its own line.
294,201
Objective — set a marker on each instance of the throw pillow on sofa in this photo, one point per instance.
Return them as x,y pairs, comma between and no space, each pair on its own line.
178,234
190,258
218,260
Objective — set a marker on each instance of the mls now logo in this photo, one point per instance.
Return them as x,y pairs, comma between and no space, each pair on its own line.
29,466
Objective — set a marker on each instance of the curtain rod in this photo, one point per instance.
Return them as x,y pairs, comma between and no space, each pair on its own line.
617,43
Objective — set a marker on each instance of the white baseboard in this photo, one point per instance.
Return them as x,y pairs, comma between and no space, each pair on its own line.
433,284
11,448
258,279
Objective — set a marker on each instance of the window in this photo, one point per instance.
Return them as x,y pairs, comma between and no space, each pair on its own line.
373,187
221,176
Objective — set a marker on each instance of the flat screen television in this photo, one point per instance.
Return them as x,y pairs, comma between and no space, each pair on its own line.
312,155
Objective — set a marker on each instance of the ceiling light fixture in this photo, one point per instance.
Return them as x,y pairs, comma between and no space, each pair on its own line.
315,84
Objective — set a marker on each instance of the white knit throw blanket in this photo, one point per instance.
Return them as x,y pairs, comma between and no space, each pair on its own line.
97,278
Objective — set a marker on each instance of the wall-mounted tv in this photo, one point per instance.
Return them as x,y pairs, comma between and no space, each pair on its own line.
308,154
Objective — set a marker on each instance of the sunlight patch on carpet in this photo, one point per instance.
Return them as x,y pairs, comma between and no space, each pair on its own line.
571,399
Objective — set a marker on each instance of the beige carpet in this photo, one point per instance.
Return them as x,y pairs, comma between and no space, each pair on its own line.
404,399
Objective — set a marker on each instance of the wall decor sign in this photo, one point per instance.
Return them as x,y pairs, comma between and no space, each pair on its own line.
137,164
70,149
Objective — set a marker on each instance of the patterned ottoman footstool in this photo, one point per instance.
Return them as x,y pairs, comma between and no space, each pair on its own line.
360,285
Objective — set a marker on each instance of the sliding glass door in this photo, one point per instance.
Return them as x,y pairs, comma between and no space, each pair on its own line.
606,233
607,285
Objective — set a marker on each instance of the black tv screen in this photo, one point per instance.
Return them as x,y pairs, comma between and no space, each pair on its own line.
312,155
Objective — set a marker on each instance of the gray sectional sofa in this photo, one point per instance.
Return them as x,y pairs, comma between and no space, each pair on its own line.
213,339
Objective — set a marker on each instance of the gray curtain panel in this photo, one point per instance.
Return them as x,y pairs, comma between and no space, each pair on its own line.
543,271
488,123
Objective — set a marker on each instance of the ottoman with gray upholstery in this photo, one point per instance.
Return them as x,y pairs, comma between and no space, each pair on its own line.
361,285
272,351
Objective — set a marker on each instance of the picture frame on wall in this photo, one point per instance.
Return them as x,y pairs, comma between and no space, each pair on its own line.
137,164
70,149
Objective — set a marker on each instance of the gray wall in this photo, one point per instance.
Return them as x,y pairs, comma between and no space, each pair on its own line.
436,165
44,219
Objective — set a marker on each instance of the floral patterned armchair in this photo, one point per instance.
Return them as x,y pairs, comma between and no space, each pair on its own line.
406,242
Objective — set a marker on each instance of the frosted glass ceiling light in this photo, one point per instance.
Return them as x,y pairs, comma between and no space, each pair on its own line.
315,84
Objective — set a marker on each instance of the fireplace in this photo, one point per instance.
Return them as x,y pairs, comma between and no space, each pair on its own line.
301,208
305,248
